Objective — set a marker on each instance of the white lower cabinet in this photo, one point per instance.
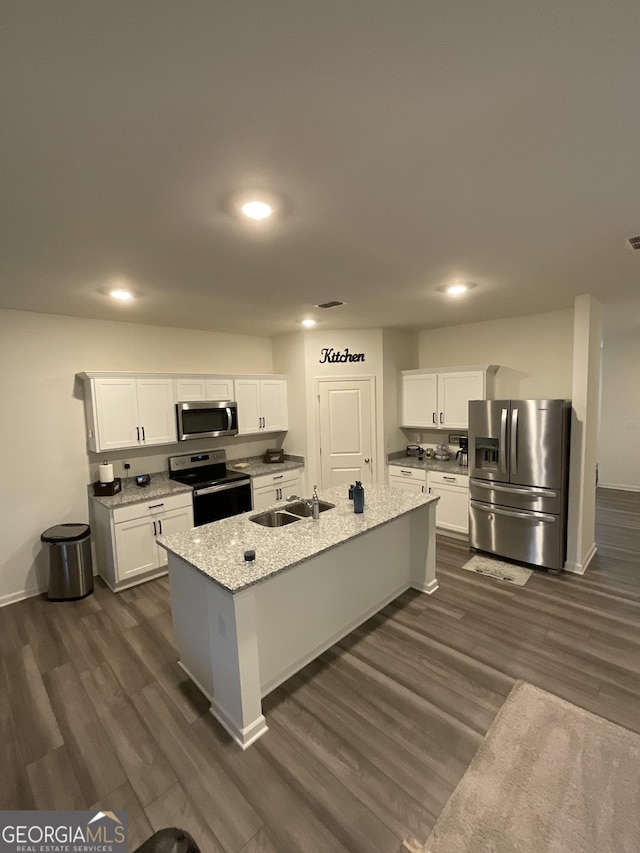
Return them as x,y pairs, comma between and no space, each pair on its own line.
268,489
452,512
409,479
126,548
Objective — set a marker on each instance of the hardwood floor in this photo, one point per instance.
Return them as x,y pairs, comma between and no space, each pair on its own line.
364,745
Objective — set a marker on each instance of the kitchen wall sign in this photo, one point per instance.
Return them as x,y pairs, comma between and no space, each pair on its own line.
331,356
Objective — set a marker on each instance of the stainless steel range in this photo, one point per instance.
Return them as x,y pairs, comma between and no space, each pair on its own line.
217,491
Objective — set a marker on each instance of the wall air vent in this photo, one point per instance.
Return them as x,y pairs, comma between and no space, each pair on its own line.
335,303
634,242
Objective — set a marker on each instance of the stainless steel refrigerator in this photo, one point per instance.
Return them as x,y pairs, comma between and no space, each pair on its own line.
519,478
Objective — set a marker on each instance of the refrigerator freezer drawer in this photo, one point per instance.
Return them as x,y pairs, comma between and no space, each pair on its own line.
517,497
530,537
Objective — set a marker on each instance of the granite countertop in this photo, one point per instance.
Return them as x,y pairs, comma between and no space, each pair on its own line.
450,467
255,467
217,550
159,487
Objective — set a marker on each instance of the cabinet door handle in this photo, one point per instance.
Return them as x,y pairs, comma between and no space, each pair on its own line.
434,417
138,431
422,489
155,532
160,525
143,438
441,417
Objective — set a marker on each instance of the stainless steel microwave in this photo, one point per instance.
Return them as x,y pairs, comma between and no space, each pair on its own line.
206,419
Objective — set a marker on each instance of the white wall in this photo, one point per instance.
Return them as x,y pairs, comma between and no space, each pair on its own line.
619,443
399,352
289,358
581,540
46,466
535,353
367,341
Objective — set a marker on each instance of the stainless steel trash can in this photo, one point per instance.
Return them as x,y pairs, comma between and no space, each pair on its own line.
70,567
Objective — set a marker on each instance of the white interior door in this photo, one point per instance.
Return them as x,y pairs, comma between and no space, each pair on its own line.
346,431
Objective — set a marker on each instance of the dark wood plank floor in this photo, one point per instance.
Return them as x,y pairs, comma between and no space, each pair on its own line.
364,746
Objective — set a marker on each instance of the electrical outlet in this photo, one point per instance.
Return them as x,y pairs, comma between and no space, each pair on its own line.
126,466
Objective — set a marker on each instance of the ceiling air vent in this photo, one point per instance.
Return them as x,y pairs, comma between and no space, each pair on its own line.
335,303
634,242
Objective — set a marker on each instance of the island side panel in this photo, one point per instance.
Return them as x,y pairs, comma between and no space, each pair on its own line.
188,588
306,609
423,548
234,663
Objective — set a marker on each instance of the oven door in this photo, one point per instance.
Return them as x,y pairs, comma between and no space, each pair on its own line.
216,502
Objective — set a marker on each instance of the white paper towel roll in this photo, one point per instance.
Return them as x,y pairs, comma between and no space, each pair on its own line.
106,472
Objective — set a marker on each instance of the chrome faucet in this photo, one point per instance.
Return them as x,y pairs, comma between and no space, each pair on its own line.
311,502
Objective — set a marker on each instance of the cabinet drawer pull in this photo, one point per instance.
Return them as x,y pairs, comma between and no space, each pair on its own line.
155,506
453,479
278,476
408,473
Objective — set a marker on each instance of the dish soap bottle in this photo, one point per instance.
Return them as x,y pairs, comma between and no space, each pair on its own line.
358,497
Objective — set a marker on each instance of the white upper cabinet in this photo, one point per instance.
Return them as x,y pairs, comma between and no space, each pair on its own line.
125,410
262,405
419,400
128,411
439,399
454,392
192,388
156,411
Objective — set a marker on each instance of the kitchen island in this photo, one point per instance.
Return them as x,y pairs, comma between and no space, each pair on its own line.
242,628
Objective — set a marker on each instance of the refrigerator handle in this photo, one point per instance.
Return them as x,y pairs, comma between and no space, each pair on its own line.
503,441
514,441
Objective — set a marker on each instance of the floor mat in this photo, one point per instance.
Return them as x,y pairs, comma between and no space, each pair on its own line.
499,570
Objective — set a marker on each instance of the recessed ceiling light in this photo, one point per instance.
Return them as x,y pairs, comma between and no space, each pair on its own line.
458,288
256,209
309,323
121,295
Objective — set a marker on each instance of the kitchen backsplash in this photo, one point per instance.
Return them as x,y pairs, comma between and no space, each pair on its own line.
150,460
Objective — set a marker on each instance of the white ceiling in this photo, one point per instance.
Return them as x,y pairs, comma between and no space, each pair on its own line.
412,142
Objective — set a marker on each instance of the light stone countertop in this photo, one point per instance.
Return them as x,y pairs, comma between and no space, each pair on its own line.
255,467
159,487
450,467
217,549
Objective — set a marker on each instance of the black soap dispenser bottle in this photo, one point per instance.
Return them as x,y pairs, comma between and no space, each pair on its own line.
358,497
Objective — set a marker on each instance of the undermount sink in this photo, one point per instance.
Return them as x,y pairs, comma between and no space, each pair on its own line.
273,518
303,510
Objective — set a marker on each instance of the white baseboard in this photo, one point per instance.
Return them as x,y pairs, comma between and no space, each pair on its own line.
618,487
13,597
581,568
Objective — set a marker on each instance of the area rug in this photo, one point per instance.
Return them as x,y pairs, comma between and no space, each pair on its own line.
548,778
498,570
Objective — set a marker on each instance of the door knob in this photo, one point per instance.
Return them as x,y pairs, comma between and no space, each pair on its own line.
367,461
